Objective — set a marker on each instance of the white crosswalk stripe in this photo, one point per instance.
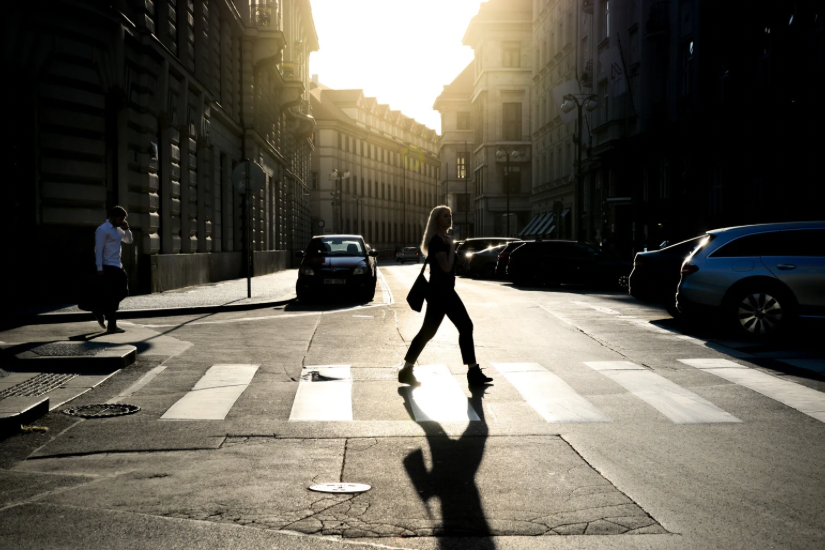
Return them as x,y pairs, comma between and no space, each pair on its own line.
675,402
548,394
797,396
214,394
324,393
439,397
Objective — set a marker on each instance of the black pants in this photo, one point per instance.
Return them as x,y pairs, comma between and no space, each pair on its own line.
441,303
110,291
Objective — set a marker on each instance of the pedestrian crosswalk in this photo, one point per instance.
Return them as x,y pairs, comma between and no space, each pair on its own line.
325,393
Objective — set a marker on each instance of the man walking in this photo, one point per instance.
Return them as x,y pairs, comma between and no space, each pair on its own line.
112,283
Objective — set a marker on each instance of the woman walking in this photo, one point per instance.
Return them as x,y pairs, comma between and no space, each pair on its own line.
442,300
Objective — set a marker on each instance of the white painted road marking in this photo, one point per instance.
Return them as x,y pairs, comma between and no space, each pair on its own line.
549,395
796,396
214,394
439,396
675,402
598,308
324,394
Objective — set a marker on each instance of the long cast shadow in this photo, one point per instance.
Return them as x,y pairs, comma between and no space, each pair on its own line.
452,476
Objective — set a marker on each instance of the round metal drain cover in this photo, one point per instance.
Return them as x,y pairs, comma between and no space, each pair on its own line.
102,411
340,488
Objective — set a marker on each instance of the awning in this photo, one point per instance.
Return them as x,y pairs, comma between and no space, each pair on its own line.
528,230
547,226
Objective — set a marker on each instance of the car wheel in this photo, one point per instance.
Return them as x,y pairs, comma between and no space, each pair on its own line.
369,294
760,313
303,295
623,282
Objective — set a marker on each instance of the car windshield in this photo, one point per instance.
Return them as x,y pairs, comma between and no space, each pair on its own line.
336,246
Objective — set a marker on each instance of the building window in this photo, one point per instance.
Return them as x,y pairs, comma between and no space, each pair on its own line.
461,165
605,106
687,63
511,118
512,54
606,19
463,121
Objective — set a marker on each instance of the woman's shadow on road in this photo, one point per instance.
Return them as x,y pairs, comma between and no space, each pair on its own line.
452,476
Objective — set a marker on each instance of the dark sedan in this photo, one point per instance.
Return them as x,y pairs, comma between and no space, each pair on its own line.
482,263
337,264
566,262
504,257
471,246
655,274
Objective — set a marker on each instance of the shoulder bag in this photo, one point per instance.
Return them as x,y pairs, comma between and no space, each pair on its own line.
418,292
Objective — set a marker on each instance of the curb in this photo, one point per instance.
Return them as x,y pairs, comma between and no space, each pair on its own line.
79,316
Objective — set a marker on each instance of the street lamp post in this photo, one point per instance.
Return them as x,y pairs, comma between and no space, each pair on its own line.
502,154
338,176
358,204
577,101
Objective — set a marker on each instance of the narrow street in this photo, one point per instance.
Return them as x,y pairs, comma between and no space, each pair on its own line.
606,427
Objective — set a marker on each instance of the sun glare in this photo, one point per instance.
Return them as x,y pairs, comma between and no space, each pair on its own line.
400,52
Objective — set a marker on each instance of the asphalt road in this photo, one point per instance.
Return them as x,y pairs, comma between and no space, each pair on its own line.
607,426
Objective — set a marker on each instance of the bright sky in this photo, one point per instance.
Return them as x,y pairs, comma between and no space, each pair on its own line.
401,52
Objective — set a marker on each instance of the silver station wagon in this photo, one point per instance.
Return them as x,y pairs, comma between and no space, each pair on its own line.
758,279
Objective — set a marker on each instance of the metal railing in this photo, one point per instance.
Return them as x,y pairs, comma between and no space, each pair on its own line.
265,13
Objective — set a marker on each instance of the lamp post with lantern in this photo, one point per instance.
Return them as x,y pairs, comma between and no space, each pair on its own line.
338,176
577,101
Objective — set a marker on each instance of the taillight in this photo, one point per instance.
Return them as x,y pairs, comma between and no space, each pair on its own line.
637,262
688,269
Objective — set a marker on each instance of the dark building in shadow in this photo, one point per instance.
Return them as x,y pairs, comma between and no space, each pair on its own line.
150,105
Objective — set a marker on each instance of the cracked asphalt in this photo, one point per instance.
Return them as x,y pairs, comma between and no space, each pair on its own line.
511,479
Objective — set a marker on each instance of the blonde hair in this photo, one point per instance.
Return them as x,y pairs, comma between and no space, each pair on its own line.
432,227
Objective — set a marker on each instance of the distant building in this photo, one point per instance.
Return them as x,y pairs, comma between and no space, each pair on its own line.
456,186
499,103
150,105
388,167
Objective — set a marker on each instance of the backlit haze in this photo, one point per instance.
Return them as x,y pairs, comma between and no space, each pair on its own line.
401,52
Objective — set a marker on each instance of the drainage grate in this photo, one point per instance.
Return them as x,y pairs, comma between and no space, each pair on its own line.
66,350
340,488
102,411
37,385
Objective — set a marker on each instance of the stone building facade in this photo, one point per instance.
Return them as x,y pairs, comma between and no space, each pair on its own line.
151,104
392,164
457,144
499,100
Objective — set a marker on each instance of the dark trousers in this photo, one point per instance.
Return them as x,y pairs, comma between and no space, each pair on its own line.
110,291
441,303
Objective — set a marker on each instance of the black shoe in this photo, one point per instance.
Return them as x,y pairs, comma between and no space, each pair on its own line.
406,376
99,319
115,330
476,378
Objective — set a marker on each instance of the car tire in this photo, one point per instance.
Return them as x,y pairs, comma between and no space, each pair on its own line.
369,294
303,295
760,312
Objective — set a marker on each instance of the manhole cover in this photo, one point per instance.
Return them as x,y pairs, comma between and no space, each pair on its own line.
102,411
340,488
63,350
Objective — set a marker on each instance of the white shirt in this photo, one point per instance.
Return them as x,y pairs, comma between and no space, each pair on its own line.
107,244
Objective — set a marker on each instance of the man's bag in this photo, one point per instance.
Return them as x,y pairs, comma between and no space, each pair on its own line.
418,292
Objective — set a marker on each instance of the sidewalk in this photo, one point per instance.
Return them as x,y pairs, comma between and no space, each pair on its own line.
267,290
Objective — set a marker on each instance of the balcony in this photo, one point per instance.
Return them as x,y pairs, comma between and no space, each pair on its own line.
657,26
294,88
264,21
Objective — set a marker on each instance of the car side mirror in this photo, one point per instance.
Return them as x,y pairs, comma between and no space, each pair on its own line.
372,253
299,254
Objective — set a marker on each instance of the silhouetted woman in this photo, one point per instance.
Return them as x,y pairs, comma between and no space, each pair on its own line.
442,299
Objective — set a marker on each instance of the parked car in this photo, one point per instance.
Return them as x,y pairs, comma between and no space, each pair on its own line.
504,256
758,279
471,246
483,262
337,264
408,254
656,273
556,262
